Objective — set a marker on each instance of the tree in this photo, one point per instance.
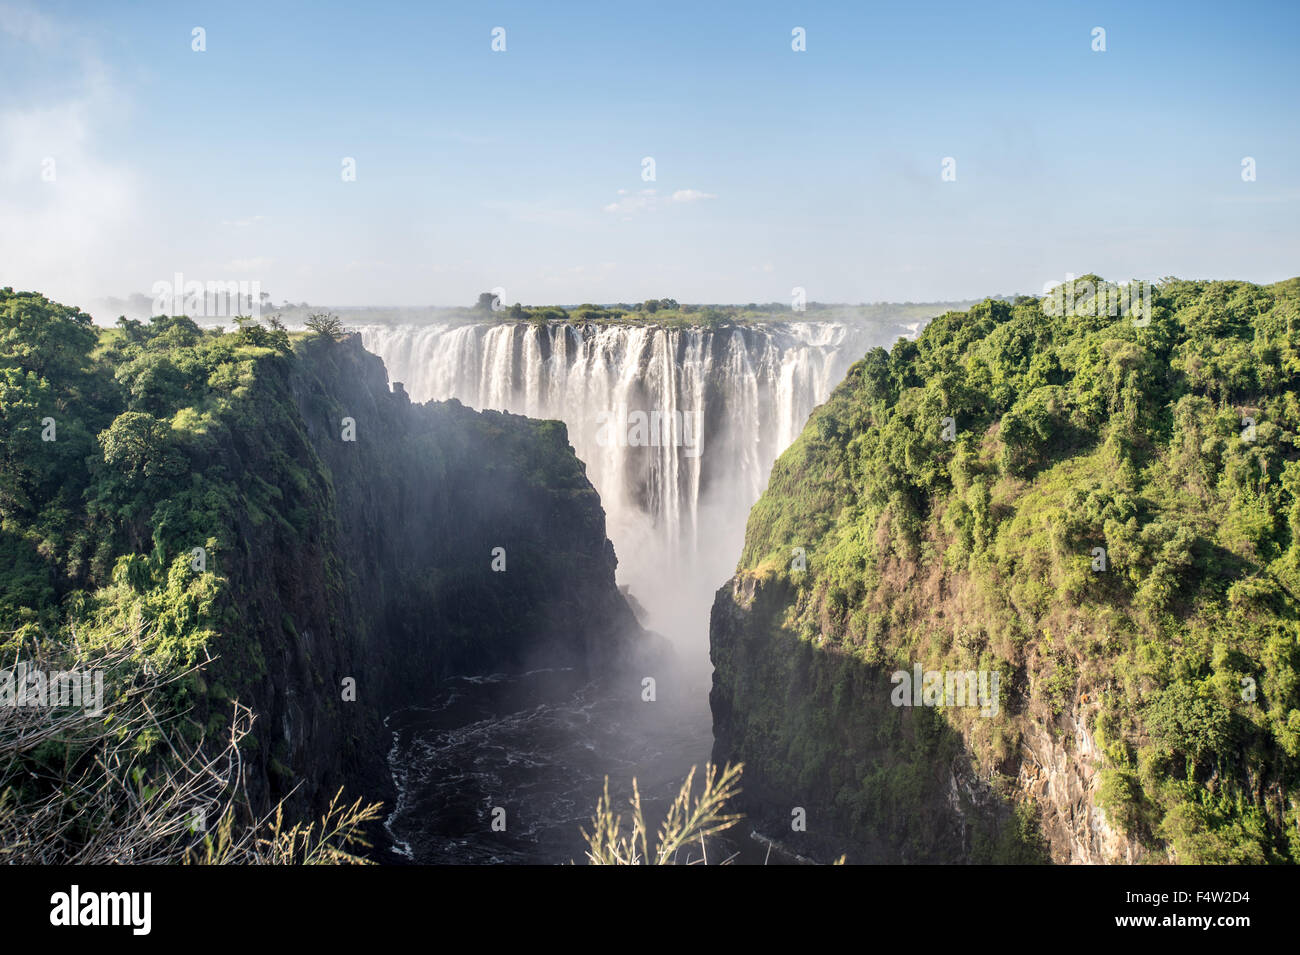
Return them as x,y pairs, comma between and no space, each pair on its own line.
325,325
875,376
132,329
40,336
1188,720
139,446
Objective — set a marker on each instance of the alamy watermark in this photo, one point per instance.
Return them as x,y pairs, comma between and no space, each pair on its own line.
130,909
650,429
1084,298
973,688
25,685
207,299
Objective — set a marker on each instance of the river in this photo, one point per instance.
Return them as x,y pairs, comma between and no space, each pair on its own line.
538,745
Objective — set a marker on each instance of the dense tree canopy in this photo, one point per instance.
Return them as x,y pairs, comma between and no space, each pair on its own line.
1169,448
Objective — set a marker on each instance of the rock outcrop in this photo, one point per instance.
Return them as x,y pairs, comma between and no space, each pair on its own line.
410,542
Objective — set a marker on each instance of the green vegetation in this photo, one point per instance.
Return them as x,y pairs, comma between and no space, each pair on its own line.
1170,445
326,325
118,506
253,521
110,476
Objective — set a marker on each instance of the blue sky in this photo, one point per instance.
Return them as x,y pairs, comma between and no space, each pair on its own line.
523,169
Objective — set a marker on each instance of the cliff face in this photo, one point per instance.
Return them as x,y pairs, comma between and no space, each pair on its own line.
831,768
887,784
370,575
1092,515
1060,771
429,498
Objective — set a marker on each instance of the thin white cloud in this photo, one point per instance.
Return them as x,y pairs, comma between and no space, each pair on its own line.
630,204
648,200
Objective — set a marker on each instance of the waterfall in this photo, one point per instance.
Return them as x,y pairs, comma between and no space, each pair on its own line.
678,427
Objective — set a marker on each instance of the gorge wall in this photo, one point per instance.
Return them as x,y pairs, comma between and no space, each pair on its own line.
393,583
1099,511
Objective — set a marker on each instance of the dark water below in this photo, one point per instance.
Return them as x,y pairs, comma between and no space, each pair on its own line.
539,745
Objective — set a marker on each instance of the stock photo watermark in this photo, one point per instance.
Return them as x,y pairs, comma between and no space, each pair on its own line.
948,688
1085,299
621,428
28,686
211,299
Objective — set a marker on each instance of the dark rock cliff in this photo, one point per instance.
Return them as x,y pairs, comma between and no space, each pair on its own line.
381,571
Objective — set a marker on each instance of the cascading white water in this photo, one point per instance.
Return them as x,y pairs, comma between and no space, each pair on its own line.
678,427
